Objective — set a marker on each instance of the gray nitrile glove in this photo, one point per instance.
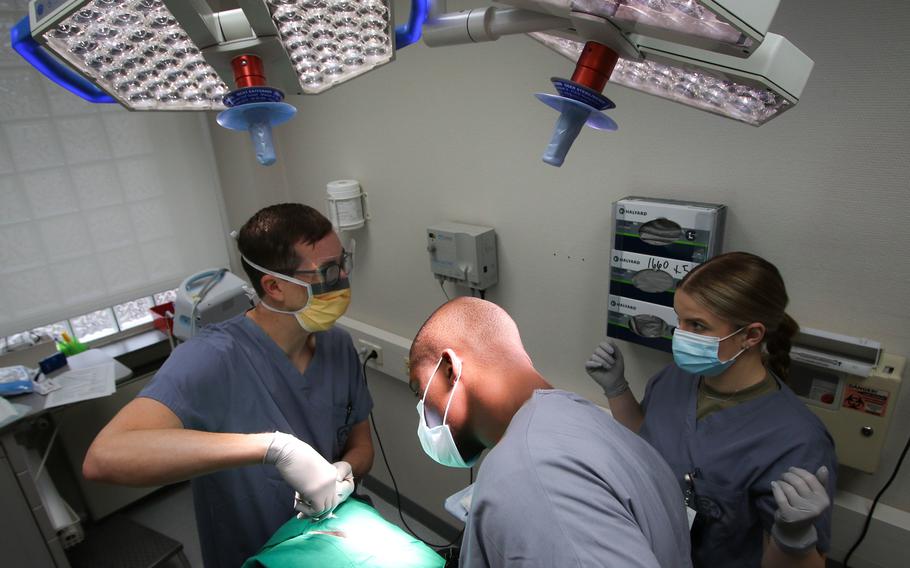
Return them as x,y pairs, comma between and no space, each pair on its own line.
801,499
606,367
312,477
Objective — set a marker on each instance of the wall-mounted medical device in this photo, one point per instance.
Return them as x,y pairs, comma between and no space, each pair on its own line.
656,242
713,55
852,386
346,204
206,297
463,254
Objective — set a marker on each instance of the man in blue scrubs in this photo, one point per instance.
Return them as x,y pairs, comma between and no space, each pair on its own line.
564,484
265,412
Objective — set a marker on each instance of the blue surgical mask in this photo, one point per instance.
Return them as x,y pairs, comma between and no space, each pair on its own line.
437,441
697,354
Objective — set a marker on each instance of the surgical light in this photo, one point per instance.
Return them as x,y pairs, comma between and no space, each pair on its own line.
744,93
177,54
135,51
331,41
712,55
181,55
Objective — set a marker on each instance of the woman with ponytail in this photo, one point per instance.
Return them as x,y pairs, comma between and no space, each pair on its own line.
756,467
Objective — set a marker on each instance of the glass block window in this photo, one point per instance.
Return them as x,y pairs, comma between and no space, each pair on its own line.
98,205
53,331
94,325
165,297
133,313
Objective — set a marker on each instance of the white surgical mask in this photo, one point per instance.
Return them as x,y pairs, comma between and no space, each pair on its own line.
437,441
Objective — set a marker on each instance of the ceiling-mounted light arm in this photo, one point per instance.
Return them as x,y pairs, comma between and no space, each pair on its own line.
753,18
734,27
24,44
235,26
258,18
198,21
589,27
486,24
436,8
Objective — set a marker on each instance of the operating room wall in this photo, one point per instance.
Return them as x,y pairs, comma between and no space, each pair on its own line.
455,133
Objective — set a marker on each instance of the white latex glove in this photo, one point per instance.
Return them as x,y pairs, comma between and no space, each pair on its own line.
801,499
607,369
344,486
308,473
345,480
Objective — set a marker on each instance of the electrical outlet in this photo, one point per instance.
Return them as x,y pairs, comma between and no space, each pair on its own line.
377,361
392,349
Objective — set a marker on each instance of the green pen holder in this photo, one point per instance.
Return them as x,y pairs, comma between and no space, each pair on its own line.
70,348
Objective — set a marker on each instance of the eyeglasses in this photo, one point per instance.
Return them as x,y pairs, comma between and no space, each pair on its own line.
330,273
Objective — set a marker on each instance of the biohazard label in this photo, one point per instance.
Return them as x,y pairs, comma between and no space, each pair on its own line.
864,399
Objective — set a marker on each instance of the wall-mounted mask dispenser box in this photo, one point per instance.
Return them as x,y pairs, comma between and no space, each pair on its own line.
852,386
656,242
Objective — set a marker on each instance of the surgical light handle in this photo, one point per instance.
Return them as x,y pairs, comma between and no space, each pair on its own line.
409,33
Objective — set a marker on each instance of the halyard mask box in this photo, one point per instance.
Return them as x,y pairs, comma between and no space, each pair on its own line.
656,242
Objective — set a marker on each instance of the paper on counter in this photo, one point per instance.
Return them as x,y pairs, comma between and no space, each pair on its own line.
83,384
46,386
6,410
10,411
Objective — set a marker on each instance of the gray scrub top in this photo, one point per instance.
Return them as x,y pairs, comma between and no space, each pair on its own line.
233,378
733,455
569,486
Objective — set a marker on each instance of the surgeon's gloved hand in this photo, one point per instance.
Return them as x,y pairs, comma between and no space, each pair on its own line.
344,486
345,480
607,369
308,473
801,499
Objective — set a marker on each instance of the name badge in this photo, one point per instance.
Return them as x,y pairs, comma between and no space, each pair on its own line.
690,513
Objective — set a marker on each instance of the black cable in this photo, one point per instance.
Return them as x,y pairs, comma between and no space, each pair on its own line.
373,355
862,534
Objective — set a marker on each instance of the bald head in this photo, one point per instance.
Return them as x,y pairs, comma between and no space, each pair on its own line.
469,325
478,348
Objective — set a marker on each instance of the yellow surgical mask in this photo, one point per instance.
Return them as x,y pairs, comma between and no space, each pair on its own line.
321,310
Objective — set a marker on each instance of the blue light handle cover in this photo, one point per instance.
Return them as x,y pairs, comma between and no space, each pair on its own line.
24,44
569,124
258,119
261,136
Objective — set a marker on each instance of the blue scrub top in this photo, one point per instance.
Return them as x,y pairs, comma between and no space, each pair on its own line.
735,454
568,486
233,377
